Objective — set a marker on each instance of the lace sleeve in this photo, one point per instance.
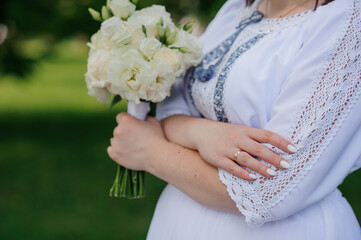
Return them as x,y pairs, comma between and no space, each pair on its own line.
322,128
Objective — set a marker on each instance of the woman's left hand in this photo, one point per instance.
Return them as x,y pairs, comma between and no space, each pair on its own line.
134,141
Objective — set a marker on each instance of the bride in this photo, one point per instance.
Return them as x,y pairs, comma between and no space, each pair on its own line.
272,70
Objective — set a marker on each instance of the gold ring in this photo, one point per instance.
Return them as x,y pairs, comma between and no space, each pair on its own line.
235,156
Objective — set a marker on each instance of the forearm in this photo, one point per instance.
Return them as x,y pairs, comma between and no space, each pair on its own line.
187,171
180,129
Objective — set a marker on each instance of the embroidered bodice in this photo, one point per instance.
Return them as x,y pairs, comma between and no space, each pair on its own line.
298,76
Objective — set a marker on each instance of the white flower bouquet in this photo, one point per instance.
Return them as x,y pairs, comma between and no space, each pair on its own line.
137,55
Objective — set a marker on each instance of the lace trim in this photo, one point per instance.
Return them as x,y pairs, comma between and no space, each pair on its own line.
268,25
334,93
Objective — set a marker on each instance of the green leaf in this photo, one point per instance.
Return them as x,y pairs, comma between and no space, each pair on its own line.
167,31
184,50
105,13
116,99
161,33
135,2
188,27
95,14
144,30
153,109
171,38
161,21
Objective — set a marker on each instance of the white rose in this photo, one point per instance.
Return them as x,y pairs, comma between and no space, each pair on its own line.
185,39
171,57
150,16
130,75
122,8
149,46
99,41
160,89
137,34
114,28
97,75
126,49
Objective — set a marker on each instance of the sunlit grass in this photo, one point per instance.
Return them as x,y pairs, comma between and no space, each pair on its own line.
55,172
57,85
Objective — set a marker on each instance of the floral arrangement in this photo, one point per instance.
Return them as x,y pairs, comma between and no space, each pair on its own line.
137,55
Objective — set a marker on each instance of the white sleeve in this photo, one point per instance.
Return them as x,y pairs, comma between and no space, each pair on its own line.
179,102
318,109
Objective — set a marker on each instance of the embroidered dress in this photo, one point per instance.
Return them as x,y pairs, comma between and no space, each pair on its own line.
298,76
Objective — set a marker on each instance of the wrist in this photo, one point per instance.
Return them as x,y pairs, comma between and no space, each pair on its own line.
182,130
193,131
155,155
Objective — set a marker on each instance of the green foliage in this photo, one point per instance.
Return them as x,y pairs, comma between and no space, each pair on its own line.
55,170
60,19
95,14
116,99
55,181
188,27
144,29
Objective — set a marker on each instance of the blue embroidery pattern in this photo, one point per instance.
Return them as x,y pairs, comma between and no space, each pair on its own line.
213,59
218,100
208,67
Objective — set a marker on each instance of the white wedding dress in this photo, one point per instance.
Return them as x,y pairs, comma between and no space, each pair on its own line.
300,77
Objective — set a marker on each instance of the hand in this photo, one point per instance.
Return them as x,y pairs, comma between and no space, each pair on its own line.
134,140
219,144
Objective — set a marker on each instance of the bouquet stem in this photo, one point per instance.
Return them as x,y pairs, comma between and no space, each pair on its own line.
130,183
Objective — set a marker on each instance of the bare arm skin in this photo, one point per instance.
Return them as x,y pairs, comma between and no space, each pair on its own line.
218,142
187,171
141,145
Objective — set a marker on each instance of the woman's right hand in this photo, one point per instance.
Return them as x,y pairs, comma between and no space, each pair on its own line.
232,147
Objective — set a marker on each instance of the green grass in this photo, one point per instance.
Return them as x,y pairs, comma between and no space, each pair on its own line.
55,173
55,180
56,86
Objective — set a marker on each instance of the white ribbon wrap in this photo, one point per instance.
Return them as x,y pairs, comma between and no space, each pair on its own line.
138,110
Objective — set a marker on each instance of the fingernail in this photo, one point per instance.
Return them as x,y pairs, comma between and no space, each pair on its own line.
284,164
271,172
253,176
291,148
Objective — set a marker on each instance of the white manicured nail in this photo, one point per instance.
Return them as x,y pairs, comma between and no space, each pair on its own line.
284,164
271,172
291,148
253,176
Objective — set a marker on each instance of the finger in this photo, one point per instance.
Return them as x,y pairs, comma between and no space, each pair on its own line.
120,116
246,160
110,152
256,149
124,118
265,136
116,131
112,142
231,167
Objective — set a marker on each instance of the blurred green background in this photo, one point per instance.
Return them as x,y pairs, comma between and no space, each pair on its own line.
55,173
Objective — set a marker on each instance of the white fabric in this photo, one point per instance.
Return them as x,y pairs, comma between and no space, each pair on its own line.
301,80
